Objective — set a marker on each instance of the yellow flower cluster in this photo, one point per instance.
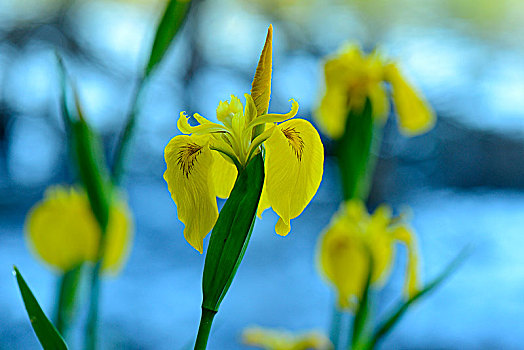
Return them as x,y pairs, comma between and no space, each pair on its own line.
352,77
63,232
353,240
270,339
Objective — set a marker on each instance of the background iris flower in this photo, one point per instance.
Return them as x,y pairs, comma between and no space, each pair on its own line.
351,77
356,242
63,232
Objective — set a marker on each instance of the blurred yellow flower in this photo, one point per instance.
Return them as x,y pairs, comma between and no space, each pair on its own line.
203,163
353,238
352,77
269,339
63,232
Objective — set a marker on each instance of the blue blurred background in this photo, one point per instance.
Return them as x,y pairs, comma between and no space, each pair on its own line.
463,180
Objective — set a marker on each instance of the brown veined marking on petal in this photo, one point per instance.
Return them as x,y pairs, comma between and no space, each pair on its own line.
295,141
186,157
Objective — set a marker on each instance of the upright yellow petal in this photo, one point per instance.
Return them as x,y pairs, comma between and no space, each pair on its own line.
62,230
261,86
188,175
224,175
118,237
294,166
415,116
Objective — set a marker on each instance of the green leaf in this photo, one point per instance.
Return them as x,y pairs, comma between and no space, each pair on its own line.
363,310
44,329
231,234
386,326
353,151
169,25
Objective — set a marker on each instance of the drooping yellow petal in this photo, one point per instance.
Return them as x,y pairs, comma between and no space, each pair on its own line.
294,166
261,86
270,339
415,116
332,113
342,261
63,232
224,175
189,180
412,281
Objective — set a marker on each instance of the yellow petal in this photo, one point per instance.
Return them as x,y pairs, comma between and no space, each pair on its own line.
415,116
294,166
412,282
263,204
61,229
224,175
188,176
261,86
342,261
380,242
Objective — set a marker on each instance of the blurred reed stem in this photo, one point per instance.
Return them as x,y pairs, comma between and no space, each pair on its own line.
91,334
125,136
66,299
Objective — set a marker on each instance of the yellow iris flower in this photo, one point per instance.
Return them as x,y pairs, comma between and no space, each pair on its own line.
352,77
204,162
352,238
269,339
63,232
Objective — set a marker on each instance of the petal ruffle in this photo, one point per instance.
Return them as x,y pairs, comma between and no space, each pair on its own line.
188,176
294,167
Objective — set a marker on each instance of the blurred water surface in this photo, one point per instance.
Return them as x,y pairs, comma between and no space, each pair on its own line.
463,180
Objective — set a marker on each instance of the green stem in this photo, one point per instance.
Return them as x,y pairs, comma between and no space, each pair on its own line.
121,148
66,299
204,328
91,334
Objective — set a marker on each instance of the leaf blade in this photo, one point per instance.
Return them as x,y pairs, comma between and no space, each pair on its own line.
43,328
402,307
168,27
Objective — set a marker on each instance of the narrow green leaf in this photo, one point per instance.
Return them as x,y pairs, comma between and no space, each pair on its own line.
169,25
363,310
44,329
91,167
385,327
353,151
231,234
